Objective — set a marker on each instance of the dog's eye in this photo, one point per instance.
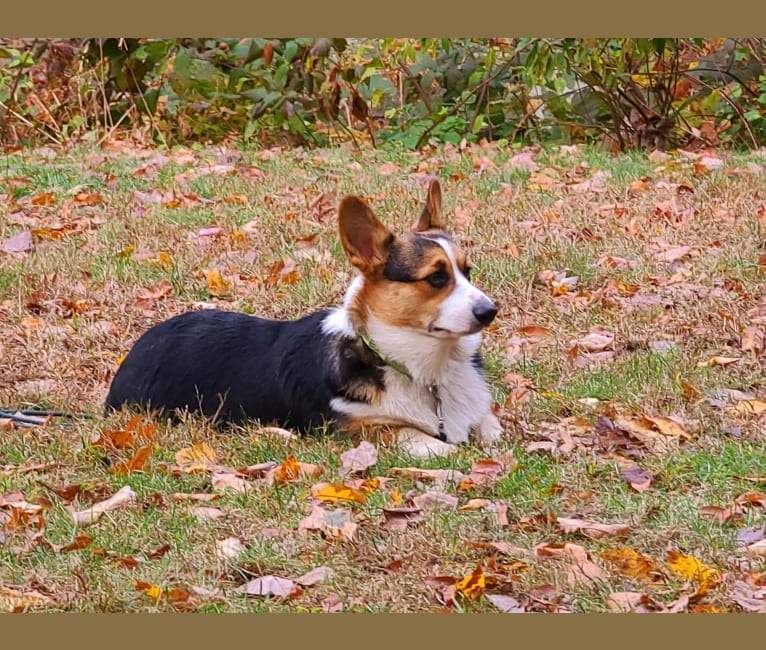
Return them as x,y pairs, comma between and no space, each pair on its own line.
438,279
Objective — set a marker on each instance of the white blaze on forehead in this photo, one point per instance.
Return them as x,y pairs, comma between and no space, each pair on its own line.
456,312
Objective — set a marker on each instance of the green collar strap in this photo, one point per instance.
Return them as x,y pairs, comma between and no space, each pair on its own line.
386,361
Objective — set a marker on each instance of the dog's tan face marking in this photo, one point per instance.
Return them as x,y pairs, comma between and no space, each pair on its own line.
418,280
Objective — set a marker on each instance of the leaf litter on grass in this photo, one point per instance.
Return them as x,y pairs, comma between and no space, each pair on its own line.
631,350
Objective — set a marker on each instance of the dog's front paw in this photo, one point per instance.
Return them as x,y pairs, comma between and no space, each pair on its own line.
420,445
489,430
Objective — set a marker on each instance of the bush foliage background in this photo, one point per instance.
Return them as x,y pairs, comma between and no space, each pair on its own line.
625,93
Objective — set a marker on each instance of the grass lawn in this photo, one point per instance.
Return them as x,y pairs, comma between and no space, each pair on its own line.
627,365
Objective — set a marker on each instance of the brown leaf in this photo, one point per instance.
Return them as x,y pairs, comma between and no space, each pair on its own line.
639,479
359,459
506,604
80,542
399,518
435,501
592,529
534,333
624,601
753,339
124,496
227,481
229,548
632,564
202,513
21,600
752,499
271,586
440,477
20,243
315,576
721,515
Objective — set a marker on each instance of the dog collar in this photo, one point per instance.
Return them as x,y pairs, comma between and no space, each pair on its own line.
401,369
386,361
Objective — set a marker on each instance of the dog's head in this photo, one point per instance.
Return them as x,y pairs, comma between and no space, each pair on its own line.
419,279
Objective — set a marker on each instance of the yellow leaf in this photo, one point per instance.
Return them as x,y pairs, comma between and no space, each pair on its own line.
687,566
152,591
370,485
336,492
395,498
217,284
196,458
472,585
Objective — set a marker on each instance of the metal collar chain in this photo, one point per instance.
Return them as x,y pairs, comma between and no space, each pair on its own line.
434,390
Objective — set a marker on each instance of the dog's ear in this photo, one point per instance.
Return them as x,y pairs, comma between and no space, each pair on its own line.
431,217
365,239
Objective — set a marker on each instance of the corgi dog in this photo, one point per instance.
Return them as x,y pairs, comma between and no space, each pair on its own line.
402,350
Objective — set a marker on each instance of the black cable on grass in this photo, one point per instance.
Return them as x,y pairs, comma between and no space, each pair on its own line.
35,417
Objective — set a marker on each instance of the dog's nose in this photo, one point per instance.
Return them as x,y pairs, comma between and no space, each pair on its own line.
485,312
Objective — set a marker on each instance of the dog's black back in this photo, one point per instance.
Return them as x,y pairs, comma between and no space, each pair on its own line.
234,366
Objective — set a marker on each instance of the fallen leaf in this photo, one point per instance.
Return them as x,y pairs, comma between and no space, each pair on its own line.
335,492
229,548
217,284
721,515
202,513
19,243
632,564
124,496
750,407
691,568
435,501
624,601
639,479
506,604
269,585
227,481
315,576
195,459
748,597
400,518
440,477
359,459
757,548
718,361
335,523
136,462
21,600
471,586
753,339
80,542
592,529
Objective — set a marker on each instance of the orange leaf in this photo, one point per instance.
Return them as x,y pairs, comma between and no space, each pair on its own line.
217,284
137,461
472,585
289,470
